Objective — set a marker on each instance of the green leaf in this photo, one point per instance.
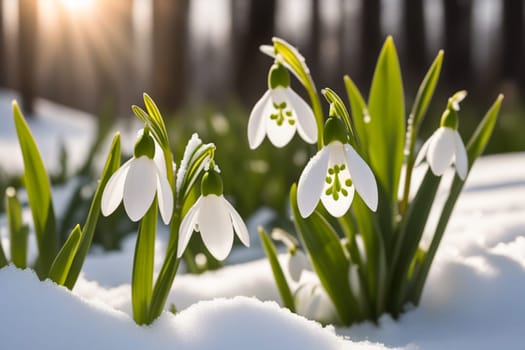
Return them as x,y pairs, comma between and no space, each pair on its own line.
408,238
328,259
360,115
18,232
386,131
62,263
3,259
88,230
142,278
419,108
278,274
39,194
475,147
426,91
157,120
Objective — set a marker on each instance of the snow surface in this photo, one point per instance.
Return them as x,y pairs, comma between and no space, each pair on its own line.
473,298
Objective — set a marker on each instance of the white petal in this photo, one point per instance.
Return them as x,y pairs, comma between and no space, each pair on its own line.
362,177
441,150
238,224
339,205
422,152
461,157
187,227
140,187
306,125
112,195
215,226
280,134
159,159
296,264
267,50
164,197
256,122
311,182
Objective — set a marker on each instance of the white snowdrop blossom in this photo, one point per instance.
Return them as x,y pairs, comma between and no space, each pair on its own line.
333,175
215,218
312,302
280,112
445,146
297,264
137,182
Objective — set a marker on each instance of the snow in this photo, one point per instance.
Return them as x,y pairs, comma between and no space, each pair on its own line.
43,315
473,298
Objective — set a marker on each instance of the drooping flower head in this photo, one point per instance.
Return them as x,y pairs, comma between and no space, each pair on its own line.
137,182
214,217
445,146
280,112
334,174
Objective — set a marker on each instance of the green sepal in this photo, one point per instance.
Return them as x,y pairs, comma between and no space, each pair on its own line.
335,130
338,107
328,259
211,183
145,146
38,187
278,274
142,277
62,263
88,230
18,232
278,76
449,119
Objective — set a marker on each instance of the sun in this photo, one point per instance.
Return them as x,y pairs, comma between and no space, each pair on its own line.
78,6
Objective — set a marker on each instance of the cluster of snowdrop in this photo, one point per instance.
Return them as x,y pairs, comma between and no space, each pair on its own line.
355,252
363,255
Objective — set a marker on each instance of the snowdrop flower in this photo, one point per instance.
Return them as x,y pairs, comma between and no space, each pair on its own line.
280,112
312,302
334,174
445,146
214,217
137,182
297,261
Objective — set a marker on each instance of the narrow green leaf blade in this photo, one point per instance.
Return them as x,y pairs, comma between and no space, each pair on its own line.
359,115
475,148
328,259
3,258
88,230
142,278
278,274
426,90
39,193
386,130
62,263
18,232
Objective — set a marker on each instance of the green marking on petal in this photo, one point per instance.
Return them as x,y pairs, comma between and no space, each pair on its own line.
337,187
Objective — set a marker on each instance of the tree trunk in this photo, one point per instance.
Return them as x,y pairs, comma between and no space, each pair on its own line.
314,48
252,66
370,38
458,21
414,32
3,52
513,41
27,32
169,47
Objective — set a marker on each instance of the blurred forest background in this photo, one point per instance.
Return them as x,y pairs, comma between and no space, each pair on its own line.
200,62
91,54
